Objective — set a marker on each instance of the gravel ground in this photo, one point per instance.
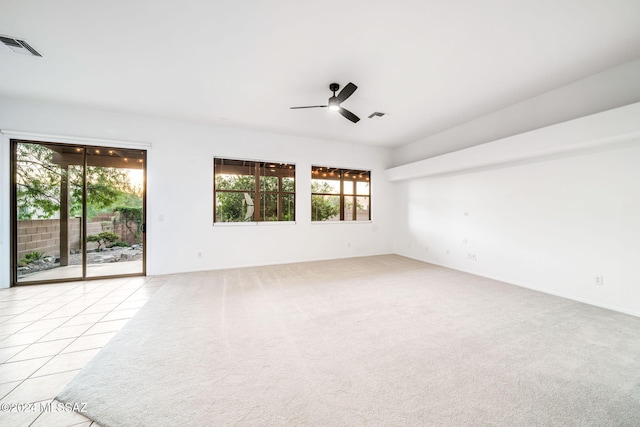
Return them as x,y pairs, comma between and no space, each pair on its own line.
115,254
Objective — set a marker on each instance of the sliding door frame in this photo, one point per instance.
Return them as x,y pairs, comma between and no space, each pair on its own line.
85,145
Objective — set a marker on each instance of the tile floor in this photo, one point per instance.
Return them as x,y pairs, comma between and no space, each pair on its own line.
49,332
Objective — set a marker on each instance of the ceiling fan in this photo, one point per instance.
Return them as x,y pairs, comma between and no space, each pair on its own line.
336,100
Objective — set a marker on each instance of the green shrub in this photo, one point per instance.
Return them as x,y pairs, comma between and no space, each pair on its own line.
106,238
30,258
120,244
131,217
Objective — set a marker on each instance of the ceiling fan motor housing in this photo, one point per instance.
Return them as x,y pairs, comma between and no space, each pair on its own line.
336,100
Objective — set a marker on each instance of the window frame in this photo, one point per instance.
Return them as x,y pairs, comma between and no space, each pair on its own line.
258,169
342,175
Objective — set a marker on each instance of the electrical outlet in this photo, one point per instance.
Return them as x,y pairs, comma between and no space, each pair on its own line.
599,281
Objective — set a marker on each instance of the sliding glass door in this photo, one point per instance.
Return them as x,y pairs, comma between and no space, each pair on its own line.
114,211
78,212
48,212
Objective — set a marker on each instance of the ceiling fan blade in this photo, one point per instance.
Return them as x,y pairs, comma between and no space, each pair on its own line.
346,92
349,115
308,106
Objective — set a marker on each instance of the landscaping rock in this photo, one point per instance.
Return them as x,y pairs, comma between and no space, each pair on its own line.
115,254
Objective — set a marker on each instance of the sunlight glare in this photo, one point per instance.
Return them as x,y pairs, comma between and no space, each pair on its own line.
135,178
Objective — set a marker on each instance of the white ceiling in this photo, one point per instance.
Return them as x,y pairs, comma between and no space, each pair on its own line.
428,64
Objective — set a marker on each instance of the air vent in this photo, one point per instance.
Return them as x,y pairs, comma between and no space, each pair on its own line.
19,46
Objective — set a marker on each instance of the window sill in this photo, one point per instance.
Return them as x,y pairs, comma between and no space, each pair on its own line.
253,223
340,222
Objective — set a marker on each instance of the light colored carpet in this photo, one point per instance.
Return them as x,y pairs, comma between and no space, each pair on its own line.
376,341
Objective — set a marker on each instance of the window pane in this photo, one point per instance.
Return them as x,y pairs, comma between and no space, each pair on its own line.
117,225
269,183
325,208
348,208
349,187
47,228
288,207
234,174
361,209
362,213
235,191
234,207
268,207
325,186
235,182
288,185
362,188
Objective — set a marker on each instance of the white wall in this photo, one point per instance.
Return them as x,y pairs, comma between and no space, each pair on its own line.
180,187
551,224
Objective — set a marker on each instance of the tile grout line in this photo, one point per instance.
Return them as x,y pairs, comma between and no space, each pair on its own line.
70,302
71,343
44,302
136,289
83,334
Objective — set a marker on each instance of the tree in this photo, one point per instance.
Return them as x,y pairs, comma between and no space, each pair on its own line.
323,207
105,238
39,181
130,216
235,206
238,204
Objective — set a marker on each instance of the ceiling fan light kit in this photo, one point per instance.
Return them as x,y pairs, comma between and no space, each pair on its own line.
335,101
334,104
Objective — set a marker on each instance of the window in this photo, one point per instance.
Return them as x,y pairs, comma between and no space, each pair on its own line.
340,194
253,191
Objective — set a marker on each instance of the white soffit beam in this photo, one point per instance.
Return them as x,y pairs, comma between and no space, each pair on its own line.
586,133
